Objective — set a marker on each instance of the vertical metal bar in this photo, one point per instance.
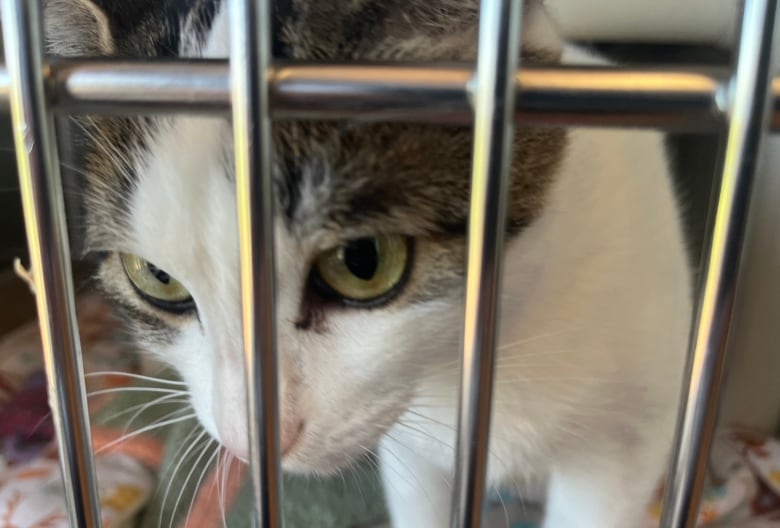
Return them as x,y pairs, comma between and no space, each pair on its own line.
747,125
44,214
494,98
250,61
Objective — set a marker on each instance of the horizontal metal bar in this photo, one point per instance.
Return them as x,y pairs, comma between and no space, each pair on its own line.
545,96
132,87
688,99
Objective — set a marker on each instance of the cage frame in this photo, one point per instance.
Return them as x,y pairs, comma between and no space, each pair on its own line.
495,95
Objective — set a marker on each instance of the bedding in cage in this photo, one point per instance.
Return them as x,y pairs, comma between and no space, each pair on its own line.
156,468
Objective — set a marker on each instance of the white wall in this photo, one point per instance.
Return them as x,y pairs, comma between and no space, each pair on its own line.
689,21
752,394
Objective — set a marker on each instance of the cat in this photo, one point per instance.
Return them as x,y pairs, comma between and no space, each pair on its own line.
370,243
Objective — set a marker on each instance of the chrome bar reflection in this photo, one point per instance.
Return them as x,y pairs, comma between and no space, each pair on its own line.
494,98
549,96
775,112
687,99
749,104
100,86
44,214
250,50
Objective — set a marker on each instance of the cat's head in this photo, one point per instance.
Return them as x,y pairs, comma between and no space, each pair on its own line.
370,236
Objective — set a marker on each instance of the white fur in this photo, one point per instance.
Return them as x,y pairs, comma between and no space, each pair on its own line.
594,322
593,335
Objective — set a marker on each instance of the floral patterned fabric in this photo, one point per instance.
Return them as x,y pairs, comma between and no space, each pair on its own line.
745,466
31,492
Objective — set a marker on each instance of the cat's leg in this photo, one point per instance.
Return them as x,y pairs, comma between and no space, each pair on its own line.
417,491
605,490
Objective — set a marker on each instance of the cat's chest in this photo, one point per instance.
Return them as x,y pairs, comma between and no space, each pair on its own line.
518,451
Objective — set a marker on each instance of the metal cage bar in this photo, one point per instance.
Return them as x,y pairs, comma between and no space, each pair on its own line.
255,91
250,50
685,99
748,116
44,215
497,60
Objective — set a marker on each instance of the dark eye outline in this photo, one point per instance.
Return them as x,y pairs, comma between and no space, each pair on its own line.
326,292
183,307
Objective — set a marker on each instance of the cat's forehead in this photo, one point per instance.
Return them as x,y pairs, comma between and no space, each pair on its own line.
344,178
331,180
413,179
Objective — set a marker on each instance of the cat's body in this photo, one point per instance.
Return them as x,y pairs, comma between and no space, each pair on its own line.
596,292
568,400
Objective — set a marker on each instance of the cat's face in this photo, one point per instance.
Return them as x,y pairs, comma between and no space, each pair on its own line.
351,298
370,241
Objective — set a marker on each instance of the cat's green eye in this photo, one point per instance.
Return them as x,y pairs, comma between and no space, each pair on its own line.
365,270
155,285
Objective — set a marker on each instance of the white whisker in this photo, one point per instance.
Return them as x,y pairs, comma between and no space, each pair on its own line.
173,475
152,427
157,401
203,452
136,389
406,467
135,376
225,468
537,337
205,470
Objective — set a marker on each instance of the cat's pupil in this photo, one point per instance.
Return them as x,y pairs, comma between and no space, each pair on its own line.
361,257
159,274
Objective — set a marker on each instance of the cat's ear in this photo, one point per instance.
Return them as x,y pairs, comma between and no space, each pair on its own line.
77,28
